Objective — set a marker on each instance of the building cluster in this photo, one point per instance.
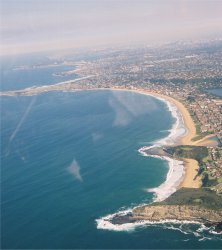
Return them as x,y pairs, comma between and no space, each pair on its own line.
214,163
208,114
205,109
180,71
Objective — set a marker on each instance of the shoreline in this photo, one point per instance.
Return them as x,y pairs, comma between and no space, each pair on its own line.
183,120
182,175
181,133
189,177
179,172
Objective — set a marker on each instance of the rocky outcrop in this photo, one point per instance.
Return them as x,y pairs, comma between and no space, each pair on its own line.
177,212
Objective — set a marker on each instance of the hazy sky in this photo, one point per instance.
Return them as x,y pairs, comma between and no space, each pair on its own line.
35,25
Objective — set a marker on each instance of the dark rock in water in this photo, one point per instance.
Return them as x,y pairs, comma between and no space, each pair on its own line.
218,227
158,151
122,219
209,224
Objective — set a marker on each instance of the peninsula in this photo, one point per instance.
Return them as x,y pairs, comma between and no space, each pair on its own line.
197,199
182,78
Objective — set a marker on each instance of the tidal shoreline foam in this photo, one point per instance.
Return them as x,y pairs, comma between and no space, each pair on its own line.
176,167
106,222
173,178
123,220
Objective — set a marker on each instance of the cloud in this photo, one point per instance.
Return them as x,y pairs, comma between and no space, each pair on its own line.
74,169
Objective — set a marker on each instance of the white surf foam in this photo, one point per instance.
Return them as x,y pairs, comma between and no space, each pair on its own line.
106,224
198,229
175,173
178,129
176,168
173,179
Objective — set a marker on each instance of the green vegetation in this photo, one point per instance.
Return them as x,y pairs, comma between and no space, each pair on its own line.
199,134
202,156
194,196
190,98
197,138
192,152
208,181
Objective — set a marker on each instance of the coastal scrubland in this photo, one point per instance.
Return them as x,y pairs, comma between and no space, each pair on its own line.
203,197
203,156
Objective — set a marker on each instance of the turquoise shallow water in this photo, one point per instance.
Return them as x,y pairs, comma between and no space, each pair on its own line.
70,158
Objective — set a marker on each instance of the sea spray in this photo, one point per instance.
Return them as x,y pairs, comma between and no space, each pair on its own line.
176,168
186,227
174,175
173,179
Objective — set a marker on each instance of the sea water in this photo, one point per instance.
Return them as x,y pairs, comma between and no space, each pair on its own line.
26,71
71,158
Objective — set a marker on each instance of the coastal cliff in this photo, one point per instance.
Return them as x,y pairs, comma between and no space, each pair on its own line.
187,204
192,205
178,212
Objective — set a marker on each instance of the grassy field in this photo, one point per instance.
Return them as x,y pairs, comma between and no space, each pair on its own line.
194,196
201,155
192,152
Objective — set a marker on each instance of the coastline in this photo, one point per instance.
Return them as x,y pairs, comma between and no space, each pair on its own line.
188,178
178,111
181,173
188,123
181,133
191,180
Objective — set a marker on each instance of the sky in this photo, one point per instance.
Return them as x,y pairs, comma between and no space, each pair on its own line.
38,25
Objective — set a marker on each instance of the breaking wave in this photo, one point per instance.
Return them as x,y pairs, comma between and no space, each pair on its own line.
173,179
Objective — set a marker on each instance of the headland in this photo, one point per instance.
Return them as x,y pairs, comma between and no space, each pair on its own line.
184,173
182,197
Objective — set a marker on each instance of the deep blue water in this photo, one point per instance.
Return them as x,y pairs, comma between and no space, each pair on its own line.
70,158
26,71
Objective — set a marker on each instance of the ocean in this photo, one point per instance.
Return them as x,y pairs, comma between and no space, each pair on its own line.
32,70
69,159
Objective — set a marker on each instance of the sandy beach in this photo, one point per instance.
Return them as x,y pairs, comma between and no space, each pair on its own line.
206,141
189,179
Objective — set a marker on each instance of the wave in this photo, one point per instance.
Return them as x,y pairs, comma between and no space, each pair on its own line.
178,129
186,227
176,168
173,178
105,222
